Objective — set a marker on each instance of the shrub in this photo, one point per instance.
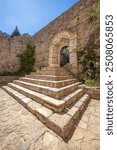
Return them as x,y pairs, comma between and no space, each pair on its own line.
90,61
27,59
92,83
88,56
36,68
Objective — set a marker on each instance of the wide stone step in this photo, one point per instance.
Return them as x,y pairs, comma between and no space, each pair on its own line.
50,77
55,69
60,123
57,93
56,84
51,72
63,123
54,104
72,97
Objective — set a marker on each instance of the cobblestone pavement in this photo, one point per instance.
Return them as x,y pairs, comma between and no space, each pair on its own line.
20,130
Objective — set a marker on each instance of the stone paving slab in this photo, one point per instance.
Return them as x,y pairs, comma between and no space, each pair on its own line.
20,130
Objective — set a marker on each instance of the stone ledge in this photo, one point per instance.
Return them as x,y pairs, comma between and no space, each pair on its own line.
6,79
94,92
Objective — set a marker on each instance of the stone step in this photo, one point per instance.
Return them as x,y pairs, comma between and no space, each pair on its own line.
56,84
54,104
55,69
60,123
51,72
72,97
50,77
63,123
57,93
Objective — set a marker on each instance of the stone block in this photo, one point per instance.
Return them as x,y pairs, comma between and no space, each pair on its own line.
74,112
60,123
32,106
43,113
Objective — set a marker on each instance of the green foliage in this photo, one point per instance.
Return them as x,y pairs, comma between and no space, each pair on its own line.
88,55
94,14
92,83
15,32
36,68
90,62
27,59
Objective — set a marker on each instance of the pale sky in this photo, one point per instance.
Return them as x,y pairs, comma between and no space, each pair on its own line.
30,15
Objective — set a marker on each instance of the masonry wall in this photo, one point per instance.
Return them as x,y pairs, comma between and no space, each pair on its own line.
75,19
9,48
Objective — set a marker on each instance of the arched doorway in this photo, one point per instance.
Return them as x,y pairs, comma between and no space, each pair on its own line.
61,39
64,56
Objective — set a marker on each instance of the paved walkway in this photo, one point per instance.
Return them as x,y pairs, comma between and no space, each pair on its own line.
20,130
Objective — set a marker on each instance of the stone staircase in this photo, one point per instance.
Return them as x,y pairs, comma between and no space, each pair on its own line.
53,96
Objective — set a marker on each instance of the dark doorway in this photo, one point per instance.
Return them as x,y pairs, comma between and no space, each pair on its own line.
64,56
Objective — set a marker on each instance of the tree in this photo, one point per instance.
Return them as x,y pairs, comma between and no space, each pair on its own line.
27,59
15,32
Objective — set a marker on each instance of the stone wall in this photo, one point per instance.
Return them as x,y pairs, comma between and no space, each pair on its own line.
4,80
94,92
75,19
9,48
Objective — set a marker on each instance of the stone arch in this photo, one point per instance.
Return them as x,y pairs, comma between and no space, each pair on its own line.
63,38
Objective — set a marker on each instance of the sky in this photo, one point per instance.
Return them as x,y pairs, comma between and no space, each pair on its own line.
30,15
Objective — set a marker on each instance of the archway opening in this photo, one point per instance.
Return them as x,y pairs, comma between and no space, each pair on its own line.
63,39
64,56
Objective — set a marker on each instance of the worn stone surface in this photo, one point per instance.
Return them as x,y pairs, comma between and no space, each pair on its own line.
33,106
61,120
20,130
45,111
